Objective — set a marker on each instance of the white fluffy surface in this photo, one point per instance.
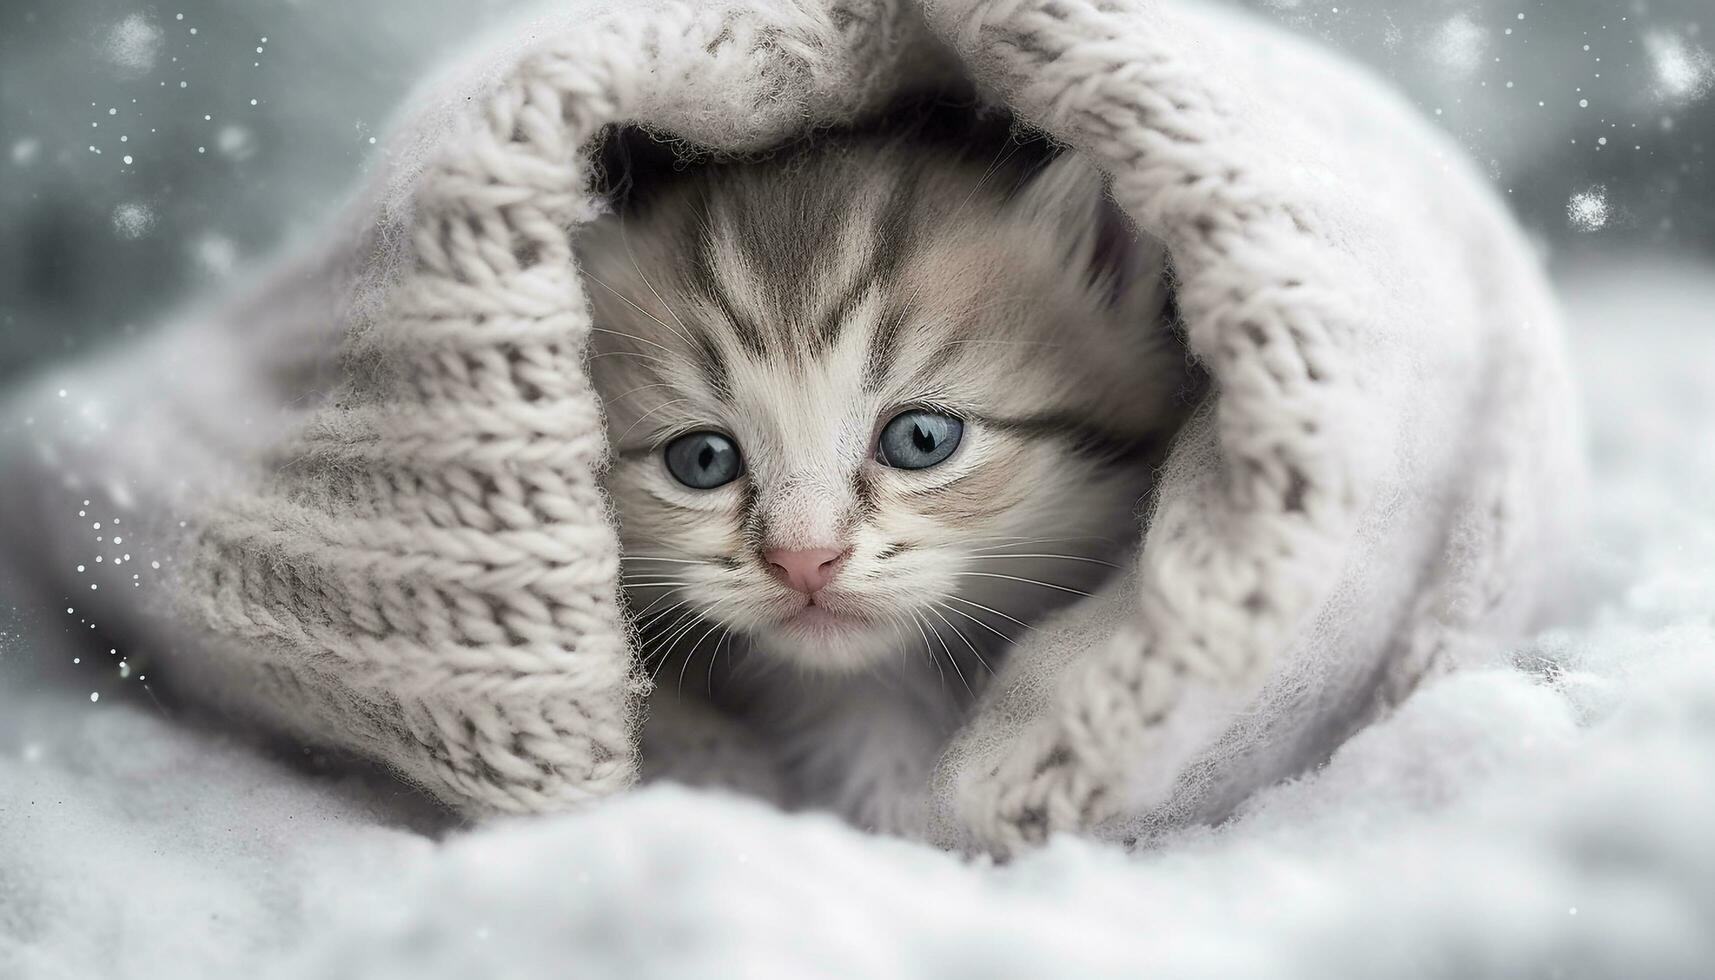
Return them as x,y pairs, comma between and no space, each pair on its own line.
1549,820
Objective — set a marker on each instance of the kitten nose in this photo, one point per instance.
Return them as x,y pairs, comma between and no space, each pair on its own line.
807,570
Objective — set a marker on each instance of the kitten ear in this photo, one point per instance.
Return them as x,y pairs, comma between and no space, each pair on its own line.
1068,199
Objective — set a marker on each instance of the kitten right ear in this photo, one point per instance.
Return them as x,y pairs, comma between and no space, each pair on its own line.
1068,199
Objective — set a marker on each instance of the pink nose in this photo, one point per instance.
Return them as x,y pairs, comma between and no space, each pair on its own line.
808,570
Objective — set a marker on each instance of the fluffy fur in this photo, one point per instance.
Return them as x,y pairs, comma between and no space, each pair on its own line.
403,552
796,305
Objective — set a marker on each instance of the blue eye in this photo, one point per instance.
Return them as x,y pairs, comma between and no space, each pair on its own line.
918,439
704,460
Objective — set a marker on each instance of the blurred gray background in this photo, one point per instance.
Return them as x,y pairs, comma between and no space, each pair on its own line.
149,150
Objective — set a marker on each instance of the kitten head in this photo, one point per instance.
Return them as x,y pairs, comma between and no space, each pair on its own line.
876,395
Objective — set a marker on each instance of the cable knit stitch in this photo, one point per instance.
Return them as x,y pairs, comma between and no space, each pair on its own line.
422,566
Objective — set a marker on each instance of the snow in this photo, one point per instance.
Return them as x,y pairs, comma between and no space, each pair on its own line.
1588,210
1684,71
216,253
133,220
236,142
1550,819
134,44
1458,46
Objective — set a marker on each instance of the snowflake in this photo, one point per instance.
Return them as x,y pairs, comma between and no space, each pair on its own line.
1684,71
134,43
1588,210
133,220
1458,46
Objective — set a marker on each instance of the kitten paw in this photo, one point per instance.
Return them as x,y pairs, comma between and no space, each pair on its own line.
897,806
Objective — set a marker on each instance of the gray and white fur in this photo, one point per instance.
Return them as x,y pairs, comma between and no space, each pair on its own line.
850,609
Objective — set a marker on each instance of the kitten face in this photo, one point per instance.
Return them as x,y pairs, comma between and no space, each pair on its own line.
864,400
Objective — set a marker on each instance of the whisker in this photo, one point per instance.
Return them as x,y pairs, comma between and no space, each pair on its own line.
960,634
686,621
664,648
634,353
676,589
632,336
659,616
950,658
1002,343
725,637
691,653
628,301
989,609
1029,581
628,394
1093,561
916,621
654,630
1036,538
643,618
683,331
979,622
697,644
1020,541
1001,156
897,623
645,417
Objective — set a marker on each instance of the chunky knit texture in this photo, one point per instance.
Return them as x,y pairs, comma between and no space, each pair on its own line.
424,569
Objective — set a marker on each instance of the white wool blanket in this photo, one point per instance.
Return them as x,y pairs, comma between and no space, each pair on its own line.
1547,818
376,478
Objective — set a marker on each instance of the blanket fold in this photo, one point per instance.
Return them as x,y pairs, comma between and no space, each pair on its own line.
406,551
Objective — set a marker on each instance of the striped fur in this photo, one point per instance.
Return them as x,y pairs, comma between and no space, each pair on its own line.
797,304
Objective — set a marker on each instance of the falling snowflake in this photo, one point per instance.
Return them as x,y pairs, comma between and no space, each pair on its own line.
1458,46
134,43
1392,36
236,143
133,220
1588,210
216,253
1684,71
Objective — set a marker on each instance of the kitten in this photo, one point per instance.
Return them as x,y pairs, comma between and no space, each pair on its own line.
876,404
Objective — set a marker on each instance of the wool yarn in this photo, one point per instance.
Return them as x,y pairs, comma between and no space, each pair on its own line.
413,558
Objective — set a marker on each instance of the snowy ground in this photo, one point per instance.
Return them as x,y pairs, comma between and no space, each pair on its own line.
1550,820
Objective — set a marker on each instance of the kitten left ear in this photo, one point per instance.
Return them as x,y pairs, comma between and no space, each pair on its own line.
1068,199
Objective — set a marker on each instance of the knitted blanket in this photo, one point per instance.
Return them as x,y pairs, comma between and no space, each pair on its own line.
374,480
